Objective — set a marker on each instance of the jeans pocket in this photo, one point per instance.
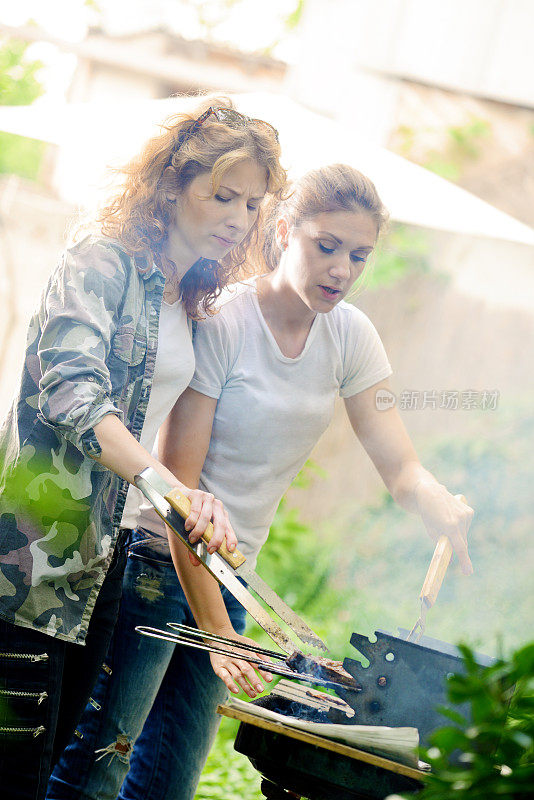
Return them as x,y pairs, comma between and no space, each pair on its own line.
152,549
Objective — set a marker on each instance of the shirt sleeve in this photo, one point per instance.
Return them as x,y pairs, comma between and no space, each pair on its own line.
364,358
78,318
212,356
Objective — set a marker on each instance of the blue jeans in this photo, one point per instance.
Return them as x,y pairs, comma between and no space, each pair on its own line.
149,726
44,686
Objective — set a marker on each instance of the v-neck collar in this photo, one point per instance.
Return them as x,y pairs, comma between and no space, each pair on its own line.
270,336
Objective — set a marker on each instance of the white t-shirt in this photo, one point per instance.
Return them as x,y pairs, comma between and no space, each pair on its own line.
175,364
272,409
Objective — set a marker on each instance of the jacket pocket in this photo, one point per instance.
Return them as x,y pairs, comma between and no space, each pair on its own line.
130,343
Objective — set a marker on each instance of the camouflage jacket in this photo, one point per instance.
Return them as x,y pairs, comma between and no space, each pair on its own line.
90,351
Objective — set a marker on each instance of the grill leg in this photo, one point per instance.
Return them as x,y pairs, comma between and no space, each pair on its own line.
273,792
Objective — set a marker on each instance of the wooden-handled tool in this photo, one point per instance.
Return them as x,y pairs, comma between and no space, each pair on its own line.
182,505
433,580
231,569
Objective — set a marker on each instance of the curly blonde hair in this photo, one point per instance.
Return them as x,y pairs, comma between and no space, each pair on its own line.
139,215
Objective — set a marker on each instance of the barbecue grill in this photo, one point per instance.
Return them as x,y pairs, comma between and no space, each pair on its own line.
402,686
292,761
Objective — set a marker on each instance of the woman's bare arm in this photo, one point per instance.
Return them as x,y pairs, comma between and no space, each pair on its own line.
122,453
183,444
384,437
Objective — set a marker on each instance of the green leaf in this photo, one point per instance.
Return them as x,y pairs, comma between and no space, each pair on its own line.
293,19
449,738
453,715
19,85
523,660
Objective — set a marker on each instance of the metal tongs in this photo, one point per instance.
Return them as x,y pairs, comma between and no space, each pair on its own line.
231,569
433,580
193,637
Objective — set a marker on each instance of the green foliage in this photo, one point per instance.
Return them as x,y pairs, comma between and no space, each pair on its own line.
467,138
31,486
20,155
401,251
228,774
497,743
462,145
18,81
19,85
443,166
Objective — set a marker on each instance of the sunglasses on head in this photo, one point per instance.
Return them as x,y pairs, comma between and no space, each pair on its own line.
228,116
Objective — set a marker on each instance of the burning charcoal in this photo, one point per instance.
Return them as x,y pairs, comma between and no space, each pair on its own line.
291,708
324,668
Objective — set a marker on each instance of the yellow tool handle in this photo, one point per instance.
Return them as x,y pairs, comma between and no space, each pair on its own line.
438,567
182,505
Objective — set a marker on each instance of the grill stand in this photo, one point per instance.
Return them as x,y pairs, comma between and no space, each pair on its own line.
316,768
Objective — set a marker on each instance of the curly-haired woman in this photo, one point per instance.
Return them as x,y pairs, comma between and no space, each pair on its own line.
108,352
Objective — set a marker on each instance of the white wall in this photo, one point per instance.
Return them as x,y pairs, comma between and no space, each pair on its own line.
481,47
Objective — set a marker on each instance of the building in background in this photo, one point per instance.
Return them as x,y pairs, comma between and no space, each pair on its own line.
447,84
158,63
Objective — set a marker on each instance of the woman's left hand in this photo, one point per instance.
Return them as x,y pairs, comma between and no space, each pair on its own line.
238,673
442,513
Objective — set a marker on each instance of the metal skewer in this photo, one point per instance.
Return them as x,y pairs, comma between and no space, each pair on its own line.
213,637
285,672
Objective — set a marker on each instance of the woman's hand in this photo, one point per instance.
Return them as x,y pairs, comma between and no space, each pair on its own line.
238,673
123,454
204,509
442,513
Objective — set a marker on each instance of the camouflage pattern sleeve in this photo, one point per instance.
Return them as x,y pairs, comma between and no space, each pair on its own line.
78,320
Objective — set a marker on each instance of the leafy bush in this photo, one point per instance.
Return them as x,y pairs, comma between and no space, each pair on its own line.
496,744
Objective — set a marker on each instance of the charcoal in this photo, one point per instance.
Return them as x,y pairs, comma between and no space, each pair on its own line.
291,708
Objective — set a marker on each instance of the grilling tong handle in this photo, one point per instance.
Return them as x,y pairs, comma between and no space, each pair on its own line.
182,505
438,567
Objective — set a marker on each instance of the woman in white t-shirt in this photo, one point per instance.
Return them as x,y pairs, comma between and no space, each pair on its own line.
269,367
